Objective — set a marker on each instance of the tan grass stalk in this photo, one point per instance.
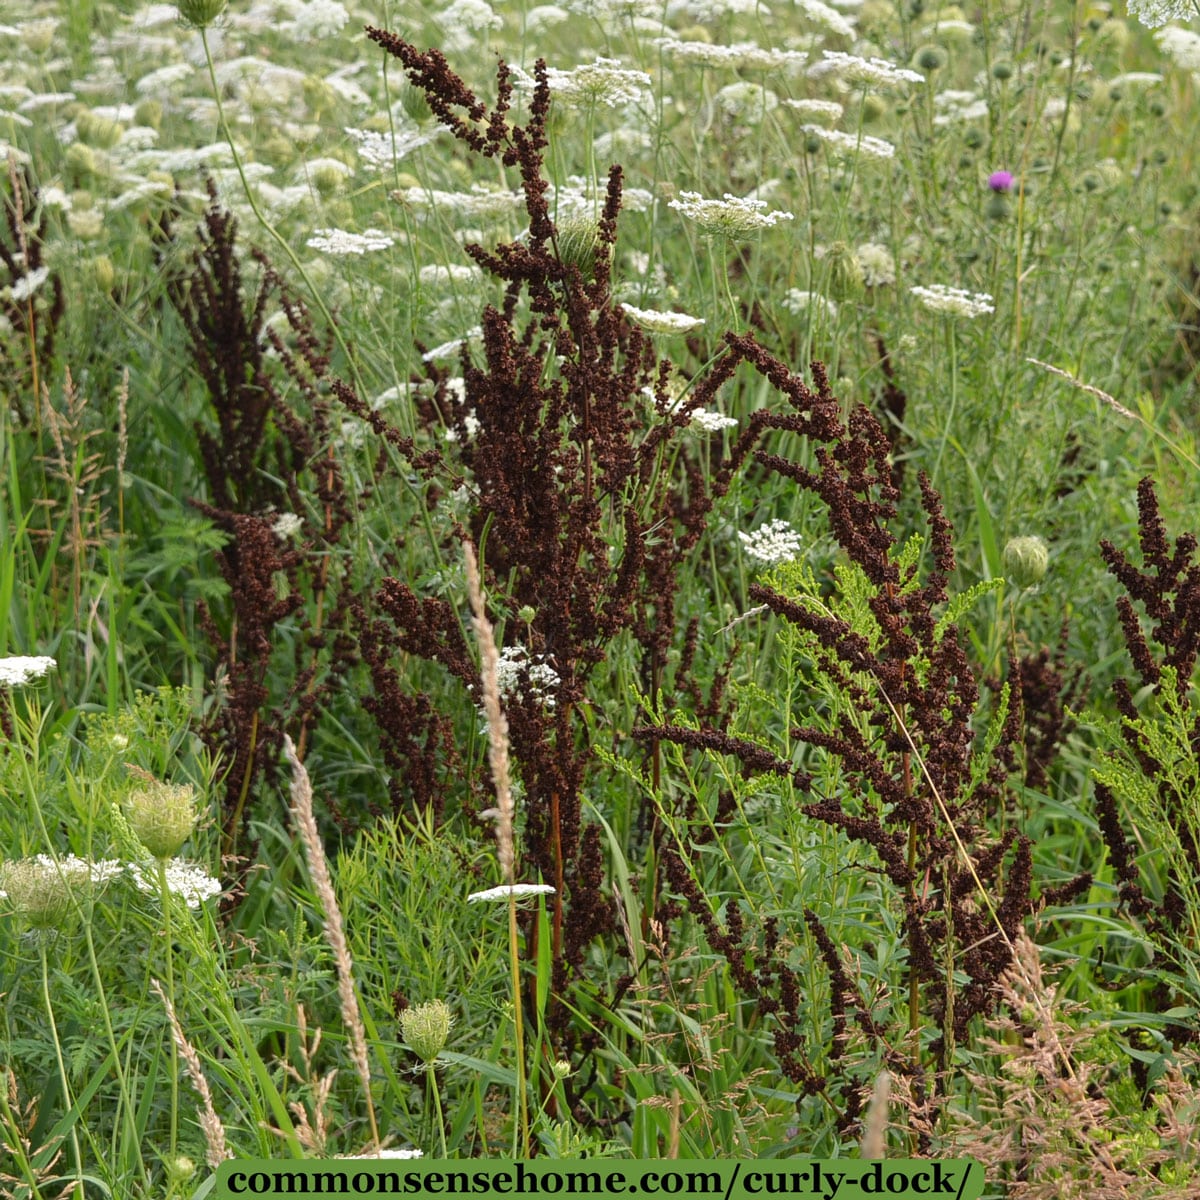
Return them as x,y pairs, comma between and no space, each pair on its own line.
497,725
497,722
1118,408
335,932
874,1138
210,1123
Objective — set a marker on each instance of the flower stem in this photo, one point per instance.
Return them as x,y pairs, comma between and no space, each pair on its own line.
62,1066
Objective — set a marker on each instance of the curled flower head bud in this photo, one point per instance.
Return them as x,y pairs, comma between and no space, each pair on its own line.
426,1027
1025,561
162,815
44,891
200,13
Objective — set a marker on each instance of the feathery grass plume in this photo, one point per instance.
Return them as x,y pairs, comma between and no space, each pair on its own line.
210,1124
497,723
875,1124
335,933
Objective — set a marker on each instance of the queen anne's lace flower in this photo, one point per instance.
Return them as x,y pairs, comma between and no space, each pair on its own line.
744,56
873,72
712,422
662,322
1153,13
340,241
516,890
516,665
878,265
604,81
1180,44
954,302
730,217
19,670
775,542
191,882
852,143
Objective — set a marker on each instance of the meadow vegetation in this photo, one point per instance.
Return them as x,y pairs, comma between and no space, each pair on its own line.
617,580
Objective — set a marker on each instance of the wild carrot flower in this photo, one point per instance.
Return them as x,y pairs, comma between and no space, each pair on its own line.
339,241
731,217
516,665
870,72
44,890
877,264
1182,45
744,56
712,422
774,542
1025,560
19,670
516,891
1153,13
189,881
287,525
825,111
955,302
604,82
654,321
200,13
828,18
24,287
851,143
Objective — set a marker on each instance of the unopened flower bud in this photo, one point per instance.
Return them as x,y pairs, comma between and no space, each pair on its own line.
1025,560
845,272
426,1027
200,13
162,816
579,244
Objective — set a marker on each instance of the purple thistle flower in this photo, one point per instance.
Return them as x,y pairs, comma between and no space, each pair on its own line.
1000,181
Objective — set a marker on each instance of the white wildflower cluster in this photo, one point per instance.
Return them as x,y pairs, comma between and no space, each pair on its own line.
1135,79
471,424
287,525
1153,13
712,422
954,302
828,18
825,111
314,20
872,72
187,880
44,890
516,666
477,205
952,106
709,12
462,21
453,348
158,83
1181,45
744,101
341,242
654,321
798,302
19,670
877,263
27,284
947,29
742,56
730,217
774,542
578,197
394,1153
437,275
515,891
381,151
851,143
543,17
604,82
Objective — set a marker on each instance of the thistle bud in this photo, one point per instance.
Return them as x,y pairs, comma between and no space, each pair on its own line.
162,816
425,1027
1025,560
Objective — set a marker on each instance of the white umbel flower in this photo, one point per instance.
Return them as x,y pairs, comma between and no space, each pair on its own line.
954,302
712,422
729,217
1153,13
24,287
516,890
852,143
872,72
775,542
654,321
189,881
19,670
341,242
604,81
